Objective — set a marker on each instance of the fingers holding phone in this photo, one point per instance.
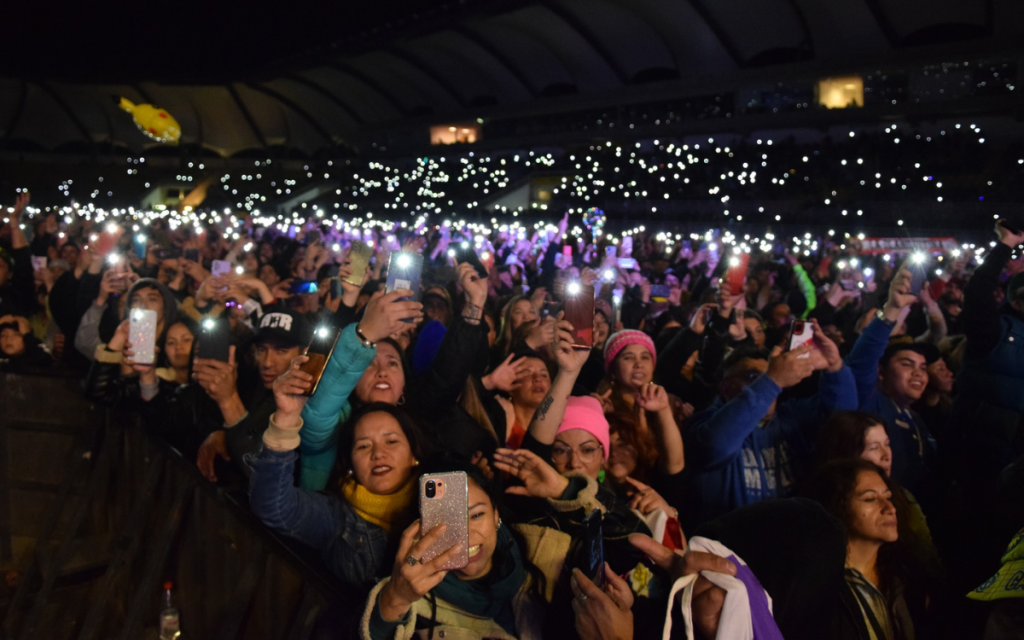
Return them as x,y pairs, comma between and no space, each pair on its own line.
290,390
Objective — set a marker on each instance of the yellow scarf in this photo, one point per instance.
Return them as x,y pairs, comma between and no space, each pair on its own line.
387,512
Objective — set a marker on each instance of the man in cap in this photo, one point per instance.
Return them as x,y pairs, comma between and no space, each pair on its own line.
891,377
282,335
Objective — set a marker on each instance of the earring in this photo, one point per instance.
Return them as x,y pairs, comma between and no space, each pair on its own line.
600,476
401,400
499,522
415,463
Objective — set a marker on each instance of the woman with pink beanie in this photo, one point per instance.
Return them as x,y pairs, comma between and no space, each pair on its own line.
629,389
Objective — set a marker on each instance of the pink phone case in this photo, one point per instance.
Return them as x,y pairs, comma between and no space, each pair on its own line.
142,335
448,505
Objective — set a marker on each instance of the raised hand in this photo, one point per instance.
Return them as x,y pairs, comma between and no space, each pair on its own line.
474,286
288,390
218,379
652,397
828,350
700,317
569,358
385,314
900,295
506,376
789,369
412,579
540,480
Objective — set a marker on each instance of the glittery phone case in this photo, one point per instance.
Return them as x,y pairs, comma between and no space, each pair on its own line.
142,335
451,508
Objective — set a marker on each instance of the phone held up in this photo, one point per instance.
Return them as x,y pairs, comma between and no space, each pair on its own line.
404,271
801,333
579,312
214,341
737,273
593,548
142,335
444,498
358,259
319,351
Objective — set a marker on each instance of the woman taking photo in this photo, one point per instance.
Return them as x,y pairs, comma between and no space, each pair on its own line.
380,448
504,590
369,367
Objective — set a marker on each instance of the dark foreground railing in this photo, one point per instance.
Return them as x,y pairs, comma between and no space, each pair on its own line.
116,514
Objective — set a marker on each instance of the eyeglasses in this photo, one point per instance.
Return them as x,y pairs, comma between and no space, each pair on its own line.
587,453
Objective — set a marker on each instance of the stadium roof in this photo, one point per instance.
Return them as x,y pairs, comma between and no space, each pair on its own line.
305,75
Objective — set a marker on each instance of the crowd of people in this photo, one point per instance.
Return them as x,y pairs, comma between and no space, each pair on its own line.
857,484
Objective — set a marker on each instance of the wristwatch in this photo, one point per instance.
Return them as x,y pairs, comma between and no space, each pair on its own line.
881,316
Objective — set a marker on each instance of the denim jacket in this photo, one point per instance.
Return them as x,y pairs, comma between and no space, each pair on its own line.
352,548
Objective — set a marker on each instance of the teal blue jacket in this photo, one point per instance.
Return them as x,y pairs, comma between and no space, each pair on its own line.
329,407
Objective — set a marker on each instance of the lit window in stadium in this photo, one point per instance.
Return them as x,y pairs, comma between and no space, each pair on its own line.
454,134
840,93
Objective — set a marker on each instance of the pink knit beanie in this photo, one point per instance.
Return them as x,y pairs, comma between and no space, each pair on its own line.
622,339
585,413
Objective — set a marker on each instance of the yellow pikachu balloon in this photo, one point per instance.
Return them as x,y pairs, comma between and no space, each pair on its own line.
155,123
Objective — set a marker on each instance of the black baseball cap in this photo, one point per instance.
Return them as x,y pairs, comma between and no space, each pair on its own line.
284,328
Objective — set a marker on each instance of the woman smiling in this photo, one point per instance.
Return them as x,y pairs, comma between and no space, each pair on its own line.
380,448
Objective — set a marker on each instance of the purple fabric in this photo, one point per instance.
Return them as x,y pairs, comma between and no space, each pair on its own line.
760,615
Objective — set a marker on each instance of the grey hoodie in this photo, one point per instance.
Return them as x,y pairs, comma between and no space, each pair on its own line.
88,336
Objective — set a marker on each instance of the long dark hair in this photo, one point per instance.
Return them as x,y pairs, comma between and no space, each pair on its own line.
833,487
495,491
842,437
346,436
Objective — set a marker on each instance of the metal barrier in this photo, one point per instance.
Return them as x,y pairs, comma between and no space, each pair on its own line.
128,514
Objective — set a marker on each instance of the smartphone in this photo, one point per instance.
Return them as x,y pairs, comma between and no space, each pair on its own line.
737,273
315,237
358,259
660,291
335,284
214,342
107,241
464,253
566,256
579,311
617,295
302,286
38,262
142,335
627,246
168,254
140,246
444,498
192,255
918,267
404,271
627,263
801,333
220,268
319,351
593,548
611,251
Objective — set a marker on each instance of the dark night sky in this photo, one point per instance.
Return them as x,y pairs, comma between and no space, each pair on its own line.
185,41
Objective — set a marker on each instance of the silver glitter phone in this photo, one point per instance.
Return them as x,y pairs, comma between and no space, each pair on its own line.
444,498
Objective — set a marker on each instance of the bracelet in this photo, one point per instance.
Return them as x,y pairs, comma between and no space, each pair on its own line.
366,342
472,313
